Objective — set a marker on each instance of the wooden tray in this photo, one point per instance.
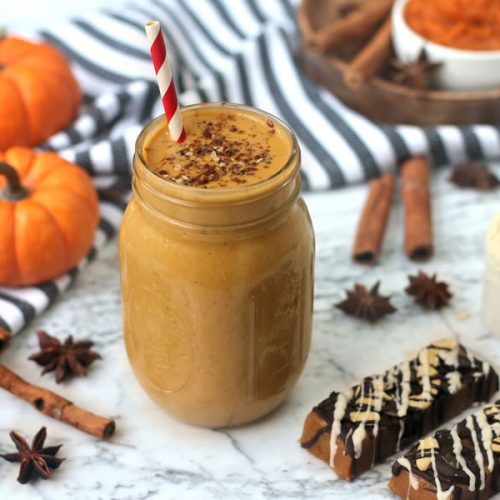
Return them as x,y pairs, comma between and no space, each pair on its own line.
382,100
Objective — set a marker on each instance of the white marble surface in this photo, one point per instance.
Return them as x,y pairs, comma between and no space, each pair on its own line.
153,456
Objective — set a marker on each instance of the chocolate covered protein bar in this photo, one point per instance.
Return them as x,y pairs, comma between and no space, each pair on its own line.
459,463
353,430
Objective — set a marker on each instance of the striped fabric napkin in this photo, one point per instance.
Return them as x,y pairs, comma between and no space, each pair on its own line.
235,50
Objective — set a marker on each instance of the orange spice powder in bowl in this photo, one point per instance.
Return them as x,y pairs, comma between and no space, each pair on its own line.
461,24
463,35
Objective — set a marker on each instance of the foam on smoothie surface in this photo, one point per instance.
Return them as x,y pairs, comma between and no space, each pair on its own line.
224,148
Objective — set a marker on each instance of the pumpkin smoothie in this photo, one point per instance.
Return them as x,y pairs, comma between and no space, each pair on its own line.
217,266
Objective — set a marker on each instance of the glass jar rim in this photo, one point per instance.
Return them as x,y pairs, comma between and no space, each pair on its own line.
221,194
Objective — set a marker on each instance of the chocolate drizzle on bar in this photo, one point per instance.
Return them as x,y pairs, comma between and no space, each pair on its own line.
458,463
392,410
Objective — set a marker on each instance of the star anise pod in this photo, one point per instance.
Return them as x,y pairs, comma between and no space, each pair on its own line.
474,176
35,460
416,74
428,291
366,304
68,358
5,338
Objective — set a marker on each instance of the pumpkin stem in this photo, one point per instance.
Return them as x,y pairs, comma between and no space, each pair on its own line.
13,190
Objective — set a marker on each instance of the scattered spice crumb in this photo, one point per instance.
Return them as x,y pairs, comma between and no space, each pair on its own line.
461,314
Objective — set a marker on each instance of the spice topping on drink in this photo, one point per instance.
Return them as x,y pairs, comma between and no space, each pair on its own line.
222,150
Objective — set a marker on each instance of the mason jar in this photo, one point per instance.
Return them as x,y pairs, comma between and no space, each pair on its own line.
217,288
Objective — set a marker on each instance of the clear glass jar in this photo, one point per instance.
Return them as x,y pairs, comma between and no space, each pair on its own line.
217,289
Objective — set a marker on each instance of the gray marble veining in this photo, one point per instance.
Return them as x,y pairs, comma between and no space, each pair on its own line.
155,457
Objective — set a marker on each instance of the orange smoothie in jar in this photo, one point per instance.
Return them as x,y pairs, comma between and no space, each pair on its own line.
217,256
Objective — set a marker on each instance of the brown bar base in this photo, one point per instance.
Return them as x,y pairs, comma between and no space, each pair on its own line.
400,485
345,466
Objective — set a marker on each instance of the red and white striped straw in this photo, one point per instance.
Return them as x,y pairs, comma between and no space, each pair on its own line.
165,80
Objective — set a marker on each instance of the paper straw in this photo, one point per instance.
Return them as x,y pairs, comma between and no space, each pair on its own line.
165,80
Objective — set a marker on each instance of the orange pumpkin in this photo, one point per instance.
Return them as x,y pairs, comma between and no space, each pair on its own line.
38,93
48,215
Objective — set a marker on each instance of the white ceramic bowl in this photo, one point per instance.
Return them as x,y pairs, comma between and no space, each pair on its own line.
461,70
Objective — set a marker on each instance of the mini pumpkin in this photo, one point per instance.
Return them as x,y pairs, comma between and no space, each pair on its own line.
38,93
49,211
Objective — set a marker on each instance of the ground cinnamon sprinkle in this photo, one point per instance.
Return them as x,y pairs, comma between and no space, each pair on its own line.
217,152
462,24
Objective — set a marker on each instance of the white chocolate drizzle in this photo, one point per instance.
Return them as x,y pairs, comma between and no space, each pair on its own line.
411,477
478,456
454,382
486,438
338,414
404,395
457,451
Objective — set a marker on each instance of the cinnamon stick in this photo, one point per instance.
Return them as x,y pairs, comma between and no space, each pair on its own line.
415,191
358,24
371,57
55,406
373,221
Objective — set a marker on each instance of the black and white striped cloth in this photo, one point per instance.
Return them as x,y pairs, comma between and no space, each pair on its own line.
235,50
